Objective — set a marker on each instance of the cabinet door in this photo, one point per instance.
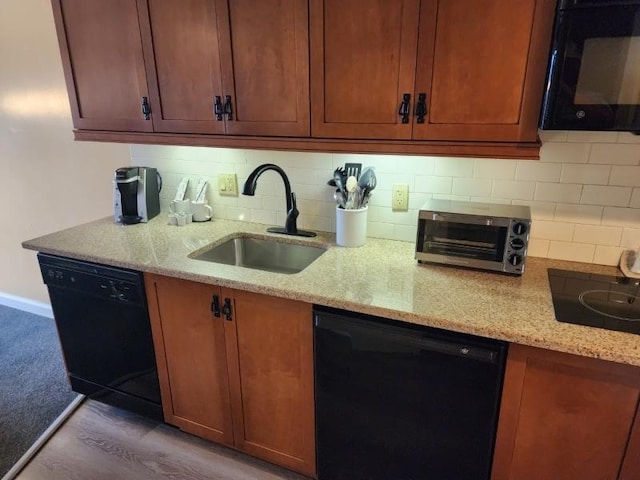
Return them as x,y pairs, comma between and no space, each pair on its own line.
181,41
631,465
363,62
273,389
265,65
563,416
191,357
482,67
103,63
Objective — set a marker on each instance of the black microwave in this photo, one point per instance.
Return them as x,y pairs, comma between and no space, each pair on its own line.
593,81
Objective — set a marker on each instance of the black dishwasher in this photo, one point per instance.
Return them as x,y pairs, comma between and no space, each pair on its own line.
396,401
105,334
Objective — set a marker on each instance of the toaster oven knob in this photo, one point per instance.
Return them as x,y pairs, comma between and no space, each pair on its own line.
515,259
519,228
517,243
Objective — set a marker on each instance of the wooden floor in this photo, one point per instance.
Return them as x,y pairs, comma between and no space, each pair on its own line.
102,442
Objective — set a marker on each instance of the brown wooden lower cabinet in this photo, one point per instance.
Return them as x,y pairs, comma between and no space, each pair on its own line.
243,378
567,417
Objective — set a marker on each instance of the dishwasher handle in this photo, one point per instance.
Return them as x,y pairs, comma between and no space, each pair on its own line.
454,346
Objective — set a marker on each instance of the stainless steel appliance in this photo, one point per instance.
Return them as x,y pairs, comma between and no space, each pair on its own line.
486,236
398,401
105,332
136,194
603,301
594,73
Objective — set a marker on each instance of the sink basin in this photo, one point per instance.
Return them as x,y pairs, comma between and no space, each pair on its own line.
262,254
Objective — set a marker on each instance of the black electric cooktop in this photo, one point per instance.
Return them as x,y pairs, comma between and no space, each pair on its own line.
602,301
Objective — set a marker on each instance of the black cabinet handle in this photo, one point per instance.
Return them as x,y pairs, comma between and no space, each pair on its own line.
228,107
218,110
226,309
146,109
421,107
215,306
404,109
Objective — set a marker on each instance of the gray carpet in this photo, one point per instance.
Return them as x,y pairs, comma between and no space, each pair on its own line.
33,382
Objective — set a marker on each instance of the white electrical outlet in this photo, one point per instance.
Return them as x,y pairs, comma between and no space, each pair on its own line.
400,198
228,184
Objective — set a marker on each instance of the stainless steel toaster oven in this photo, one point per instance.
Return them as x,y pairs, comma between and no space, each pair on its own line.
474,235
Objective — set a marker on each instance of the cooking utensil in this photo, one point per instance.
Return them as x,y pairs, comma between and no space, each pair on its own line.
351,185
367,183
339,177
353,169
338,196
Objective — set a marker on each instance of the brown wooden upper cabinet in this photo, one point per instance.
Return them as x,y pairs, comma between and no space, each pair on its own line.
103,63
429,70
229,67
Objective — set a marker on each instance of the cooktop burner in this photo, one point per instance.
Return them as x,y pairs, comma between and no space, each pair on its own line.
596,300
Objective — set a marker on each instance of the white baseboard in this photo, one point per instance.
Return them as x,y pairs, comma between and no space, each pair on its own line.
31,306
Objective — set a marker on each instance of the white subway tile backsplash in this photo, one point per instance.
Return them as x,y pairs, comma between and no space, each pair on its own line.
621,217
614,154
538,247
578,214
453,197
380,230
630,238
267,217
577,252
406,233
539,210
387,215
476,187
565,152
584,193
585,174
454,167
538,171
514,189
605,255
597,235
607,196
494,169
546,230
432,184
557,192
625,175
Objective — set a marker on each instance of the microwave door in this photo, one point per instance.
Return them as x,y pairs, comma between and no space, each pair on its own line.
594,78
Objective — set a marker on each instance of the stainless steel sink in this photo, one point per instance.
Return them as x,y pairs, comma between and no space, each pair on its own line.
262,254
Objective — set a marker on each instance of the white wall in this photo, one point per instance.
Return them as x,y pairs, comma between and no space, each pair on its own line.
584,192
49,182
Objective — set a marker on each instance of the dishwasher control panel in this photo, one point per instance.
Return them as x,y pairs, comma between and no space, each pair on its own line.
98,280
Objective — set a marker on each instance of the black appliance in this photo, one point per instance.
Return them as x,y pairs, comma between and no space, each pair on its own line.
594,75
603,301
396,401
136,194
105,334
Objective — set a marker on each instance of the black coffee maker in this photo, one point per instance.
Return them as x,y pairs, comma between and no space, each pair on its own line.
136,194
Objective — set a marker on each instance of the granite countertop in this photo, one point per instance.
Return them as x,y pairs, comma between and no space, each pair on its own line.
380,278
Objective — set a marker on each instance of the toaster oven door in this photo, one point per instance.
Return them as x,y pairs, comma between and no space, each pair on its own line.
475,242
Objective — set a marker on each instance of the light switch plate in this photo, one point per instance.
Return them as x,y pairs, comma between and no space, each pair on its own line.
400,198
228,184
